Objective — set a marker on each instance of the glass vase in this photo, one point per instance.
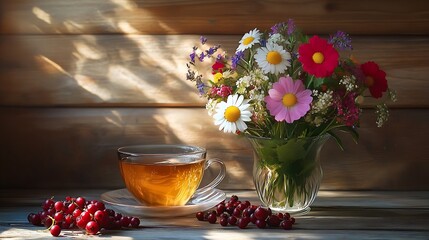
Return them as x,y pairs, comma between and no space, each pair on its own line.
287,172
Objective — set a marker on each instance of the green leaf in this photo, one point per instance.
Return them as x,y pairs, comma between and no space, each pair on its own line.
337,139
318,81
290,152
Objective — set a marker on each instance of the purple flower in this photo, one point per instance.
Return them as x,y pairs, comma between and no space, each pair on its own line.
288,100
203,40
236,58
263,42
200,87
192,56
212,50
277,28
341,40
290,26
201,57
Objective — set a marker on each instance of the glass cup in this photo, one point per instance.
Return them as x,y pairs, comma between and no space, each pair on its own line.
166,175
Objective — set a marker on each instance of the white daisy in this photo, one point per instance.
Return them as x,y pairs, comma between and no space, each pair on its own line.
273,58
249,39
231,115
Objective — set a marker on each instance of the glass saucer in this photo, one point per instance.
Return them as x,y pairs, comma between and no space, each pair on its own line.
122,200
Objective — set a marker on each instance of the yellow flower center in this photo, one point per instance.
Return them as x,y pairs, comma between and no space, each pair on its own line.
369,81
217,77
274,57
289,100
318,57
232,113
248,40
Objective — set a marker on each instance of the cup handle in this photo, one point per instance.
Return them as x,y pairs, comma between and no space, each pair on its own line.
218,178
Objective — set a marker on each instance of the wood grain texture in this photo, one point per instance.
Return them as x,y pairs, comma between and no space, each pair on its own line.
76,147
212,17
149,70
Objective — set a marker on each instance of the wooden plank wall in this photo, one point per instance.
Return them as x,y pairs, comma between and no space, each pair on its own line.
78,79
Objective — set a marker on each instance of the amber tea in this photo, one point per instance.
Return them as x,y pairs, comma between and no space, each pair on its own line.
166,183
166,175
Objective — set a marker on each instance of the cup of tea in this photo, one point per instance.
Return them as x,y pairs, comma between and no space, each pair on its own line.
166,175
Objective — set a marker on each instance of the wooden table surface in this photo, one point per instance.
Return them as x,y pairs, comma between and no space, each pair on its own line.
334,215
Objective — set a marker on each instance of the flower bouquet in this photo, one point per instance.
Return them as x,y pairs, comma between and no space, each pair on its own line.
287,92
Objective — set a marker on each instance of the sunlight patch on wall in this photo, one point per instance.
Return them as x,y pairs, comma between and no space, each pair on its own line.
123,77
42,15
50,66
126,4
87,51
125,27
91,86
118,121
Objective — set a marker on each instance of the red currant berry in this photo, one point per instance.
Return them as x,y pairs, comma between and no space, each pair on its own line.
260,223
59,206
292,219
110,212
99,216
86,216
200,216
55,230
76,213
48,204
125,221
232,220
34,219
100,205
48,222
80,201
135,222
223,221
68,219
70,208
91,208
59,217
51,212
243,222
286,216
252,218
247,212
234,198
236,213
220,209
212,218
118,216
273,221
92,228
261,213
286,225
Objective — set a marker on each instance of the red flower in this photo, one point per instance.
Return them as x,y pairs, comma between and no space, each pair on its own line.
318,57
375,79
217,67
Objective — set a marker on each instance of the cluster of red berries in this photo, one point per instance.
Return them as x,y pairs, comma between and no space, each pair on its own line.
72,213
238,213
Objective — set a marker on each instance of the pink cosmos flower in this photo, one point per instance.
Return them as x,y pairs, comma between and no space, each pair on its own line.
288,100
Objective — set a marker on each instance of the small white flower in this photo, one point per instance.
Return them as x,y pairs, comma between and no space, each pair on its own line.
276,38
272,58
211,106
249,39
231,115
349,83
